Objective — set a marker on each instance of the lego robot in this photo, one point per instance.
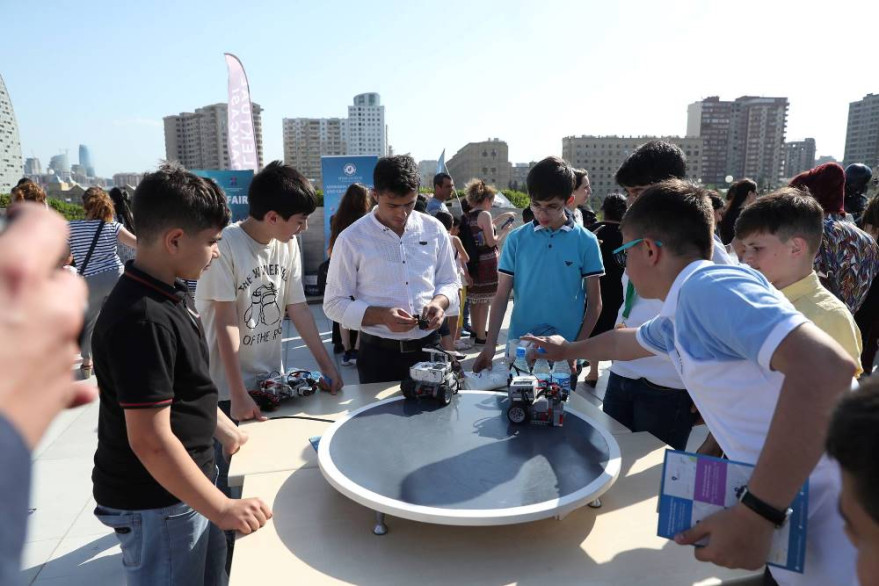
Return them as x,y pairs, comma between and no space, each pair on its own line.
438,378
539,403
274,388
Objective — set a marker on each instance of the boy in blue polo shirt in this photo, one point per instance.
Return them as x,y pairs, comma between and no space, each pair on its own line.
763,377
546,263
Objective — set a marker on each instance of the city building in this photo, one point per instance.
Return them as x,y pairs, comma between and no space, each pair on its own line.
488,160
11,167
85,161
824,159
127,179
367,132
199,140
32,166
862,133
426,171
799,156
742,138
519,176
60,166
306,140
601,156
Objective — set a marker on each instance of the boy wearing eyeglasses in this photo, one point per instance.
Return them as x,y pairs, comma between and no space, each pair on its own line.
552,264
764,378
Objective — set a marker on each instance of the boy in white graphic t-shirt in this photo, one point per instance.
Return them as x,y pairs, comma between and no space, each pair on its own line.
244,294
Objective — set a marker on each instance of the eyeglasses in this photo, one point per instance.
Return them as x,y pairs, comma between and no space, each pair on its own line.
621,253
550,209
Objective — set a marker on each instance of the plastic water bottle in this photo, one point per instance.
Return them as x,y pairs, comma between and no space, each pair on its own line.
541,370
561,374
521,362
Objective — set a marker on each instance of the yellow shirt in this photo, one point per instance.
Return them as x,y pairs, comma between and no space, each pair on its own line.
828,313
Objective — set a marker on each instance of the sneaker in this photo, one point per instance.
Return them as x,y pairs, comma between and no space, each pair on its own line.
349,358
457,355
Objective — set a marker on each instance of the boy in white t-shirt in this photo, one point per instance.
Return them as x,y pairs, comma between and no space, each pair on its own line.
244,294
763,377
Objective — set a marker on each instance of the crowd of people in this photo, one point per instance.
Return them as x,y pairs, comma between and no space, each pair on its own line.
754,314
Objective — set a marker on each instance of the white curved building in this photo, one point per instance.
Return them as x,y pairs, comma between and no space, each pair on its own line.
11,164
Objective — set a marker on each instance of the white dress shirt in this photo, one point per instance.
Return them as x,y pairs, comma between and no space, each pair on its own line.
372,266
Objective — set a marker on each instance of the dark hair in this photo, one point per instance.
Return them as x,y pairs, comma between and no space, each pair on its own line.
651,163
23,181
871,213
579,176
440,177
465,205
786,213
354,205
281,189
738,192
675,212
614,207
551,178
716,201
527,214
446,219
172,197
397,175
852,441
420,203
122,205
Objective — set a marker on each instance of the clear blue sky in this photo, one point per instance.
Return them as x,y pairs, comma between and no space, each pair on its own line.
104,73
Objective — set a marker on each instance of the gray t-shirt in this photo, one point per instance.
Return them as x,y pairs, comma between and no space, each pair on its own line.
15,481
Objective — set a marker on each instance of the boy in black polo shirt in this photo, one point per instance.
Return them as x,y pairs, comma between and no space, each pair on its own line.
154,466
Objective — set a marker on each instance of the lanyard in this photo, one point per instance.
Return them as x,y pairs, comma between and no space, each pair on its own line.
630,300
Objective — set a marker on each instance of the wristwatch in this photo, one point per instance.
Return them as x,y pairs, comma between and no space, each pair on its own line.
777,517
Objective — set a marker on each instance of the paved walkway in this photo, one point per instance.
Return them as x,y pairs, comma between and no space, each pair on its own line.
65,543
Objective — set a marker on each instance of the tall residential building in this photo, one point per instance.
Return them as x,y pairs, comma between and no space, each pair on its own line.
126,179
85,160
743,138
519,175
601,156
824,159
199,140
32,166
799,156
11,166
367,133
60,165
862,134
426,171
488,160
306,140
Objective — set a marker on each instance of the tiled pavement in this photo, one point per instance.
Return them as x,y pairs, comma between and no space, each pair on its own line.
65,543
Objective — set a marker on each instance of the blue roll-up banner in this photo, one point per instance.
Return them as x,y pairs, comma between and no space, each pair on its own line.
338,174
235,185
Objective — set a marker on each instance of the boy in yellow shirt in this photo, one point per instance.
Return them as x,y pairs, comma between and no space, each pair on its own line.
781,234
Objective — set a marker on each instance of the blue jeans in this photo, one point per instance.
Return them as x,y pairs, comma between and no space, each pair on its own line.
643,406
169,546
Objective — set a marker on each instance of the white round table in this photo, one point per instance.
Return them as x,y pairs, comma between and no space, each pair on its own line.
466,464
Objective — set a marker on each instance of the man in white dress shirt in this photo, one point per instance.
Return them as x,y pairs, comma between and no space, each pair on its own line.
391,270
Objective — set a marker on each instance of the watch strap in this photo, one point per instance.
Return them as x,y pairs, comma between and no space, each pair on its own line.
775,516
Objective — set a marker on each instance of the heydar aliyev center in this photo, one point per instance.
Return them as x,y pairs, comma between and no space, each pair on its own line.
11,166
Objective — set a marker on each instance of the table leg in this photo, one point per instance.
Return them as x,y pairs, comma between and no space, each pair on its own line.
380,527
596,504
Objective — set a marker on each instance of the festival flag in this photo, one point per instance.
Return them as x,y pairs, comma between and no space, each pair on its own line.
243,154
441,164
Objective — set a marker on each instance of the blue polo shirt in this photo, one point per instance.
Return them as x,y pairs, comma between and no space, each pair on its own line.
548,269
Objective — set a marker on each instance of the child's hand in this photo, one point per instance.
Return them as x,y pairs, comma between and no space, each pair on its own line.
245,408
244,515
483,361
555,347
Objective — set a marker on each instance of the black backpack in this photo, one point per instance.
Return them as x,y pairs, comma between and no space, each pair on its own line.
470,246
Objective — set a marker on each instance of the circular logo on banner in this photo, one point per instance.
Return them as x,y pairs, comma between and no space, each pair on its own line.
349,169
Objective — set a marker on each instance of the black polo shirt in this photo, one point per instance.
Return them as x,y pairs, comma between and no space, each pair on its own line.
149,351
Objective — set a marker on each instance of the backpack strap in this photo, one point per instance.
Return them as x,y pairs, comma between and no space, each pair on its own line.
88,255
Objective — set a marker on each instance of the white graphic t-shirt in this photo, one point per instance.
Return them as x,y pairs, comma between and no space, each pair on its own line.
262,280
